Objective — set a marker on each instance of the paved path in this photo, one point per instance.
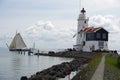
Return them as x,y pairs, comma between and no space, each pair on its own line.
99,73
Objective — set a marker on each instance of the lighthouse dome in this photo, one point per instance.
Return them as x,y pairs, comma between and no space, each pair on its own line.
83,10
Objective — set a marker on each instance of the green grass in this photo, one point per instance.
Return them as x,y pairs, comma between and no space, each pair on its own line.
111,62
112,70
94,63
92,67
87,72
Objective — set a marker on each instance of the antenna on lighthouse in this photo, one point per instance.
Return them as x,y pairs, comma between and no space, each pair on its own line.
80,4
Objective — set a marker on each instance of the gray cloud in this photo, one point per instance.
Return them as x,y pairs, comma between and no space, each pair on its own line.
46,32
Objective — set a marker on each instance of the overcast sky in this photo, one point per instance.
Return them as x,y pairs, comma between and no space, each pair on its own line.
51,24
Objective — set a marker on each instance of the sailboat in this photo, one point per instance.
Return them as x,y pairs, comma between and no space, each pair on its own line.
18,44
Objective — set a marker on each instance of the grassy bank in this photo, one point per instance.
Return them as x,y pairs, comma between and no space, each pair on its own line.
87,72
112,70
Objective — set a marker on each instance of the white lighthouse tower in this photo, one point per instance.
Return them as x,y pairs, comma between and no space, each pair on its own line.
80,36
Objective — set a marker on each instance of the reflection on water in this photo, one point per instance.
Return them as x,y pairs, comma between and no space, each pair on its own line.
14,65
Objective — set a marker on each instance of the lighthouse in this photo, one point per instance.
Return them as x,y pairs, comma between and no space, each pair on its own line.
90,39
82,23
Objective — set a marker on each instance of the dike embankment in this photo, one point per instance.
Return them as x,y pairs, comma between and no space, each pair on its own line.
63,69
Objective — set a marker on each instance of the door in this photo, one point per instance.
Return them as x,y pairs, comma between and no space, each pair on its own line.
101,45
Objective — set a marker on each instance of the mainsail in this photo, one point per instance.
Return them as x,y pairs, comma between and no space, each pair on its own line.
17,42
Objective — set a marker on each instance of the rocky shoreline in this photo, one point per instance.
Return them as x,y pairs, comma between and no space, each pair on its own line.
63,69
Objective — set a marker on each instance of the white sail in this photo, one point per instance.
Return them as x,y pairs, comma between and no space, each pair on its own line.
17,42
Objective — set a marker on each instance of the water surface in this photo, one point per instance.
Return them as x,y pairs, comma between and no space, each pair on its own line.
14,65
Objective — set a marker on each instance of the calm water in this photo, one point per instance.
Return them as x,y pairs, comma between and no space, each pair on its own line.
13,65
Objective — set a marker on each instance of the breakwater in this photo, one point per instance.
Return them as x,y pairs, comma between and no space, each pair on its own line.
63,69
69,54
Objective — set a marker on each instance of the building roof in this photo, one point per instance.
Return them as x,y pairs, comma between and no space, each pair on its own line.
90,29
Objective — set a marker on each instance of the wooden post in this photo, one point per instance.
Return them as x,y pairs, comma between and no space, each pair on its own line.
24,52
18,52
21,51
68,73
82,76
38,51
29,53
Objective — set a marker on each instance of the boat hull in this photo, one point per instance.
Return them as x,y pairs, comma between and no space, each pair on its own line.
19,50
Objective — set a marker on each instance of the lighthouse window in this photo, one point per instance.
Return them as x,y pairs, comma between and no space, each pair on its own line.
85,22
